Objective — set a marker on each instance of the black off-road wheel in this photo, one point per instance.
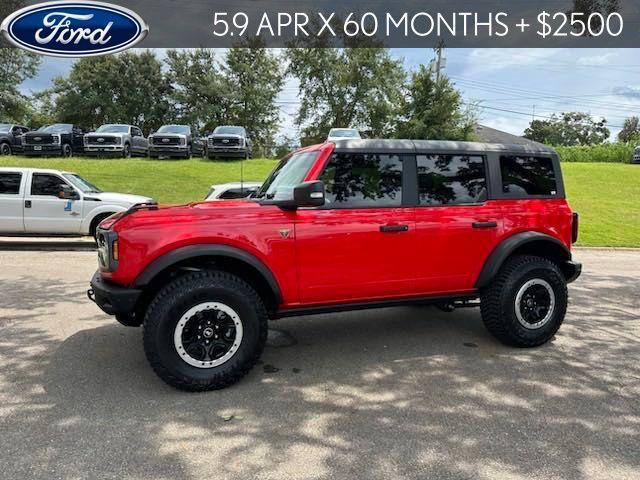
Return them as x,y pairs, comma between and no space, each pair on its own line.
526,302
204,331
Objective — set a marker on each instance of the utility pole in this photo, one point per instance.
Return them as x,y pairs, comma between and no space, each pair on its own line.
439,61
533,113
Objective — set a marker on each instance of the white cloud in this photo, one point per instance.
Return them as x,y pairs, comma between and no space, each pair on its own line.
603,59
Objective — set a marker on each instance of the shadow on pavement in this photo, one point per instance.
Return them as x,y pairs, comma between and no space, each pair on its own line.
403,392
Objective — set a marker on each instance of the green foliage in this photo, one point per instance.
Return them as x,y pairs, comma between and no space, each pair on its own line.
607,152
125,88
16,66
254,79
630,132
572,128
433,110
353,87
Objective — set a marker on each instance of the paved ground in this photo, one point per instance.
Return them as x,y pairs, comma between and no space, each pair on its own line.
394,393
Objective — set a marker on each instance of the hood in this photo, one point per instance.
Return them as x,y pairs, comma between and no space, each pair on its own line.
95,134
124,199
226,135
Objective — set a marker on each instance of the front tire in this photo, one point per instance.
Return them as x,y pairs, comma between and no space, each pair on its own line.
204,331
126,152
67,151
526,302
5,149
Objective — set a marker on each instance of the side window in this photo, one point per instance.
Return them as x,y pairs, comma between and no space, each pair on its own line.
137,132
451,179
236,193
44,184
522,176
356,180
16,131
10,183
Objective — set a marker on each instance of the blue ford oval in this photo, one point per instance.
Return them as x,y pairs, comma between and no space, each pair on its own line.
74,29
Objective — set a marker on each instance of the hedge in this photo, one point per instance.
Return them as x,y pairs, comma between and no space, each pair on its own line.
607,152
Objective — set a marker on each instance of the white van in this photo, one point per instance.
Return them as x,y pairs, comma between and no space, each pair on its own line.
36,201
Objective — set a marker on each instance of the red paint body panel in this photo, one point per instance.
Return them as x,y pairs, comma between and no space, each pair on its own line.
335,256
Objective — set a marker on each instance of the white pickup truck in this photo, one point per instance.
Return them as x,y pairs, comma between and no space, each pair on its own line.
35,201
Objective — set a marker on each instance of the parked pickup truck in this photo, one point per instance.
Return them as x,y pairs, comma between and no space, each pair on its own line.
341,226
116,140
34,201
11,138
228,141
59,139
175,141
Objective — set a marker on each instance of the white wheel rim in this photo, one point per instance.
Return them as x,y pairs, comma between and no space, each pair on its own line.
520,311
184,320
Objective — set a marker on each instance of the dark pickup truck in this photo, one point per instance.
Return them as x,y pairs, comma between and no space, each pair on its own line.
11,138
59,139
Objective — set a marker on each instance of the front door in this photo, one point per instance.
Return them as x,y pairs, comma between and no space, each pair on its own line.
45,211
360,245
456,226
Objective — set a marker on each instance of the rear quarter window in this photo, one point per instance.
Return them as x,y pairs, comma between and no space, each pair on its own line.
524,176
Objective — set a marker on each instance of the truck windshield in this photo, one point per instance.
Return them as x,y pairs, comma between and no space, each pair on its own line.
56,128
4,127
113,129
175,129
229,130
81,184
290,172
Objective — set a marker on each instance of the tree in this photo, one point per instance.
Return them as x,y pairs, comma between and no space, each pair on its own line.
16,66
433,109
630,131
126,88
254,79
351,87
200,94
573,128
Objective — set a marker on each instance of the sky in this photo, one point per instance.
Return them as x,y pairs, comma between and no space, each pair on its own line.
511,86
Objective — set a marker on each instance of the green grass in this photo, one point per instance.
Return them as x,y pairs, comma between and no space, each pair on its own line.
168,181
607,195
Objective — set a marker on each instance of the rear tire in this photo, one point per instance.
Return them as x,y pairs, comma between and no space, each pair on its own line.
526,303
176,326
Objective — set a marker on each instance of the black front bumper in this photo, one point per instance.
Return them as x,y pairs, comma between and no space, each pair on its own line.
174,151
571,270
111,298
49,150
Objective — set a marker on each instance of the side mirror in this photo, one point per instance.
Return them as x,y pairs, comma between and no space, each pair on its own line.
68,193
307,194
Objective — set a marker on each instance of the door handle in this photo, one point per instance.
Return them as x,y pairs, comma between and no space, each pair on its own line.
484,224
27,204
394,228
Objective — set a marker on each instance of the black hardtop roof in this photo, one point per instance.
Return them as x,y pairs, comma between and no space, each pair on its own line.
440,146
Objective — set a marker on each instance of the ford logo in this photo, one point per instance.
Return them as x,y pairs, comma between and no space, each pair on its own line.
101,140
37,139
226,140
165,140
74,29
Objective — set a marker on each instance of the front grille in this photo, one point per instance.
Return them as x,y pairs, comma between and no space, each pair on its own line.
224,142
97,141
39,139
166,141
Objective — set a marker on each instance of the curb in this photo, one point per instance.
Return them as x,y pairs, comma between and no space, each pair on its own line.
46,244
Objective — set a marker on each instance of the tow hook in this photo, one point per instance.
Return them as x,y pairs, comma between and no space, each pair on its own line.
91,295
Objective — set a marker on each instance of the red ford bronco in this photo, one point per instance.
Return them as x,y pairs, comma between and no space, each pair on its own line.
339,226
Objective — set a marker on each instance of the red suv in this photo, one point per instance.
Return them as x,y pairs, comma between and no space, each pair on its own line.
340,226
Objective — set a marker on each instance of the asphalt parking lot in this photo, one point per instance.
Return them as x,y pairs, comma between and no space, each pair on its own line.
383,394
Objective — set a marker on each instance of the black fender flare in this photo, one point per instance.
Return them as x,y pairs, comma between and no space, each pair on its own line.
193,251
497,257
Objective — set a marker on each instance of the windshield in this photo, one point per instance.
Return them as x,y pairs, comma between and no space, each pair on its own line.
229,130
289,173
343,132
80,183
4,127
56,128
113,129
175,129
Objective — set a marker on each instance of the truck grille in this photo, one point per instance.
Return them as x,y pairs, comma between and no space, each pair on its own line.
166,140
224,142
97,141
39,139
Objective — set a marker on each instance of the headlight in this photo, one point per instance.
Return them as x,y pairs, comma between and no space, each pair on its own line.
118,140
85,140
183,141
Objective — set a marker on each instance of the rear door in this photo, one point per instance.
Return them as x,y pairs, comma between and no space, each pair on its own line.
139,142
12,186
360,245
456,225
45,211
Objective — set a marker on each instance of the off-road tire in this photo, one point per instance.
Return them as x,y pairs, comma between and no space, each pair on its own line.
498,301
174,300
